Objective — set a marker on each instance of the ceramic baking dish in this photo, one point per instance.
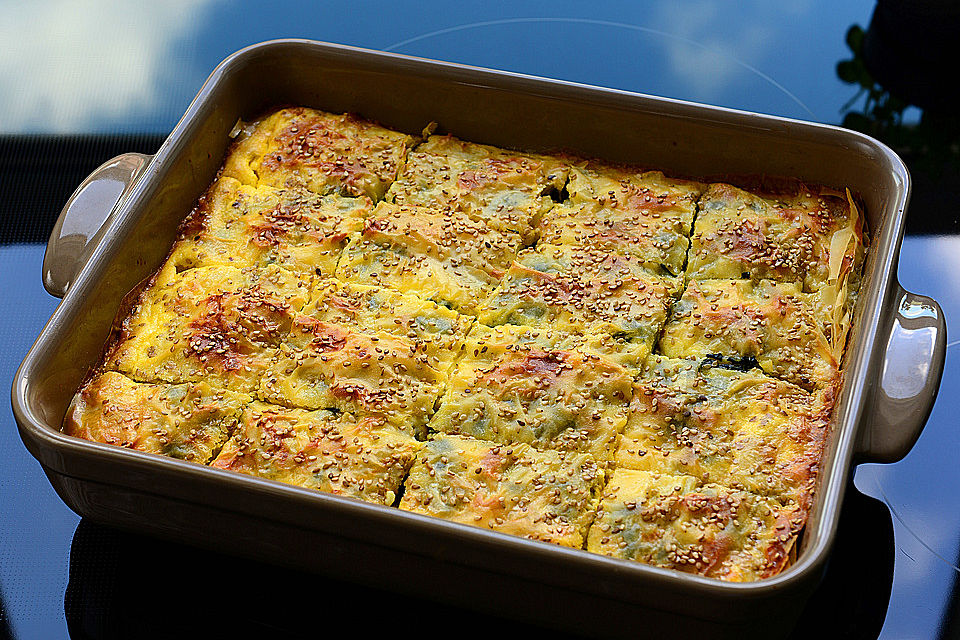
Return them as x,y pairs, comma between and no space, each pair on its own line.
119,225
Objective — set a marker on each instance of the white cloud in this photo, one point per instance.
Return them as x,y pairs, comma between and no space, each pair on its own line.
64,63
711,50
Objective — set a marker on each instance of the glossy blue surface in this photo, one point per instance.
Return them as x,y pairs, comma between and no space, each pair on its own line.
109,67
112,67
921,490
35,525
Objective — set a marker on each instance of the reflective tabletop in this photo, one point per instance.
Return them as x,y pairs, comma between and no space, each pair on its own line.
80,82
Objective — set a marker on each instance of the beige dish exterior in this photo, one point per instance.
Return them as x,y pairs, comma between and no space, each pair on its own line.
880,413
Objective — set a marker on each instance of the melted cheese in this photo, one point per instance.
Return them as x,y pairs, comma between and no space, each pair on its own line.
186,421
443,256
321,152
337,453
542,495
676,522
503,189
508,389
774,323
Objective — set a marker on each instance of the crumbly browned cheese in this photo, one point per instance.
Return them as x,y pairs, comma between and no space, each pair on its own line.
498,339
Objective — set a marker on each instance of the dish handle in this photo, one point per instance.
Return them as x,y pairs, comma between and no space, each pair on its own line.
909,378
85,218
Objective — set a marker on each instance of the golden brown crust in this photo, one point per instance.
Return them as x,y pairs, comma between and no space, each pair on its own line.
187,421
744,430
787,238
508,389
322,152
510,309
677,522
243,226
337,453
446,257
581,290
504,189
210,323
542,495
331,366
774,326
628,211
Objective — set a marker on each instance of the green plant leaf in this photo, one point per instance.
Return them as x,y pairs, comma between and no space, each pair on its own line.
855,38
847,71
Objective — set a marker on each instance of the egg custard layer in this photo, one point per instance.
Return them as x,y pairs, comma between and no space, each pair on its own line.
585,354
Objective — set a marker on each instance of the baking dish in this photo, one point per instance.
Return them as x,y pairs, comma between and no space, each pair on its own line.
892,368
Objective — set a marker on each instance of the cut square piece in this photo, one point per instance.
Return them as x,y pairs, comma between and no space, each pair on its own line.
436,331
541,495
676,522
322,152
243,226
445,257
504,189
337,453
771,325
216,324
332,366
508,389
814,238
187,421
626,211
578,290
744,430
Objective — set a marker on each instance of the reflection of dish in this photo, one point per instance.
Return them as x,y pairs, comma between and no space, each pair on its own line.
654,81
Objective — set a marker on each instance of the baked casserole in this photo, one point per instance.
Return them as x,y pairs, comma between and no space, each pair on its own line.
595,356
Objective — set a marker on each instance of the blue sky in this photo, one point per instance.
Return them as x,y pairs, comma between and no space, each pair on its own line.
116,66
